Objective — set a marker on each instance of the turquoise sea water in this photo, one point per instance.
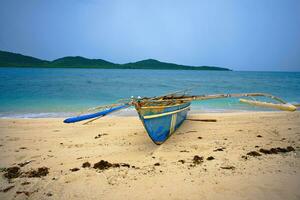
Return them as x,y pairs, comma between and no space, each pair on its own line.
33,92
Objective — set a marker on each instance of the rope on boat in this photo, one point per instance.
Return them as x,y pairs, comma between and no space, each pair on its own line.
172,94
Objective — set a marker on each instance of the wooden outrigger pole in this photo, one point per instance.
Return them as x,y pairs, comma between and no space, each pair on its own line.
174,97
282,105
219,96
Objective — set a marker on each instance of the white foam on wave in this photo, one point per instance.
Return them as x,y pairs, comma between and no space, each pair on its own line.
35,115
124,112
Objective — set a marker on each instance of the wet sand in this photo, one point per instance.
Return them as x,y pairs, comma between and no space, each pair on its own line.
253,155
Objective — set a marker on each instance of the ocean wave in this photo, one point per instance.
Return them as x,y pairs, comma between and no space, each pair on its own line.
35,115
125,112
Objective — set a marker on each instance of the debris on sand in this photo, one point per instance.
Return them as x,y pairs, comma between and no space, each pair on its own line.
7,189
102,165
25,183
15,172
245,157
23,192
228,167
41,171
253,153
290,148
157,164
100,135
277,150
125,165
259,136
184,151
181,161
86,164
25,163
210,158
197,160
220,149
191,131
12,172
97,136
267,151
49,194
74,169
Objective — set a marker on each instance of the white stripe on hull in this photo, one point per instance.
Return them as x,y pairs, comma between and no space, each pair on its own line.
173,123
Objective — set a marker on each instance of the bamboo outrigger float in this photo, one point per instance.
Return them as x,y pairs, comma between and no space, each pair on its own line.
162,115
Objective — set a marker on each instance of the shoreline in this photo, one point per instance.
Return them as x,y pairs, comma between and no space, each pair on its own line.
127,113
114,158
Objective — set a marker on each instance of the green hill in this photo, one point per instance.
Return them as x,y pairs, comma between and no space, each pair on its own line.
151,64
8,59
79,61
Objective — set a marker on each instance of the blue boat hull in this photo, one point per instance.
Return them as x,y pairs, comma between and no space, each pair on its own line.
161,121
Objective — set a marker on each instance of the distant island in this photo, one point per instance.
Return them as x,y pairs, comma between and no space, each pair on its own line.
8,59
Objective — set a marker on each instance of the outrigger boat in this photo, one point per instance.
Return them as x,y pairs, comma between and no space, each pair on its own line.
162,115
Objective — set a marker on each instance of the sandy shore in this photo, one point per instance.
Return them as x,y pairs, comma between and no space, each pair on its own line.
201,160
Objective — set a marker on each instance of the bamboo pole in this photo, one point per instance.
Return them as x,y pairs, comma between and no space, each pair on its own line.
280,106
219,96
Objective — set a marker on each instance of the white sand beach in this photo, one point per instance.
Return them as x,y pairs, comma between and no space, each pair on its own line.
201,160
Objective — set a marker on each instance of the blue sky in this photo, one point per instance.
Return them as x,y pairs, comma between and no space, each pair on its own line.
239,34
